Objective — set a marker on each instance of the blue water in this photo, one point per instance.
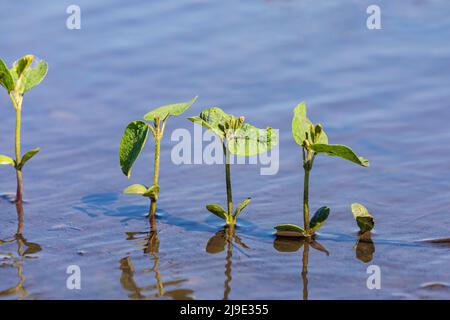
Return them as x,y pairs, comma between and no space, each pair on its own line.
383,92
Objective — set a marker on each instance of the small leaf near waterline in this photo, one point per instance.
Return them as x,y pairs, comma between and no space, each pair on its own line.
131,145
152,192
241,206
217,210
169,110
289,230
363,218
7,161
27,156
135,189
319,218
339,150
6,79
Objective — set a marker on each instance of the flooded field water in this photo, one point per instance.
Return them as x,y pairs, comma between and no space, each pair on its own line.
383,92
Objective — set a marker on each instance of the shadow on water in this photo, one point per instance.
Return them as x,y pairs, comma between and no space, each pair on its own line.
226,237
150,244
16,258
286,244
104,204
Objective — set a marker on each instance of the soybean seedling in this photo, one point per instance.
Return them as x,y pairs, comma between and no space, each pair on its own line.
25,74
237,138
313,141
134,139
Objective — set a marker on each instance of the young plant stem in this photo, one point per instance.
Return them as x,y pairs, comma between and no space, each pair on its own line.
307,168
17,102
158,136
230,220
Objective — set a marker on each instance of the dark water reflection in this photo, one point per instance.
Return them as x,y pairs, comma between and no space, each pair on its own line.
225,239
18,252
149,242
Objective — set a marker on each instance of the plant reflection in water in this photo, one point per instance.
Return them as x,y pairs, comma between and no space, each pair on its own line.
287,244
150,243
217,243
25,250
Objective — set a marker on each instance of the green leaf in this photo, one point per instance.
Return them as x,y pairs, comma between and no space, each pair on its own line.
319,218
152,192
6,79
131,145
169,110
27,156
135,189
217,210
21,65
289,230
35,75
213,119
7,160
340,151
301,125
363,218
250,141
241,206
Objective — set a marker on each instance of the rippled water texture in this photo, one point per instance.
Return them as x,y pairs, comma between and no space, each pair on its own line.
383,92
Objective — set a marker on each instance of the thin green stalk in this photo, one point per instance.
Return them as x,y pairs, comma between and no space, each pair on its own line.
307,168
17,102
228,182
158,136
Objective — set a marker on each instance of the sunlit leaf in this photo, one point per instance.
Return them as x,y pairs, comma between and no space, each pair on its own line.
241,206
250,141
340,151
363,218
169,110
319,218
217,210
7,161
131,145
213,119
289,230
6,80
135,189
301,125
27,156
35,75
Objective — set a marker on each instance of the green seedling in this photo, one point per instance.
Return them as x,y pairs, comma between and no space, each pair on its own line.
134,139
25,74
313,141
363,218
238,138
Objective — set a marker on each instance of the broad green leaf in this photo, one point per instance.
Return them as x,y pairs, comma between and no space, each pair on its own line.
27,156
319,218
340,151
152,192
21,65
217,210
289,230
301,125
363,218
241,206
35,75
7,160
6,79
135,189
213,119
250,141
131,145
169,110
